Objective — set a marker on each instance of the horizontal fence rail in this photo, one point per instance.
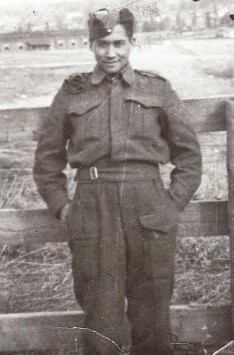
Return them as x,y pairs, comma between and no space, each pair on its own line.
205,114
63,330
208,218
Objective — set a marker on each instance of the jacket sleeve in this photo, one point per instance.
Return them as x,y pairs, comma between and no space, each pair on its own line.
184,148
50,156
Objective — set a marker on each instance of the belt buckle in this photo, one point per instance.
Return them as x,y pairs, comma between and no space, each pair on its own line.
93,173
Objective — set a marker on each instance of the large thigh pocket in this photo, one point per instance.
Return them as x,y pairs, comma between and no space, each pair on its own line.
83,239
85,259
159,243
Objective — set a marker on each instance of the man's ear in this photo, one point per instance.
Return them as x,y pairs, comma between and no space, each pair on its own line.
91,45
133,40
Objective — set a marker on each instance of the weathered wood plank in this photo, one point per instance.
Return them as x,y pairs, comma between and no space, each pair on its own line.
230,168
20,123
205,114
204,218
202,323
63,330
35,226
207,218
40,331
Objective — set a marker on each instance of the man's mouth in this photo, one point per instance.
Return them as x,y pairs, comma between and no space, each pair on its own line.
109,63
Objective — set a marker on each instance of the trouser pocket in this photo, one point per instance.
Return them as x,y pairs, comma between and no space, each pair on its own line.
82,227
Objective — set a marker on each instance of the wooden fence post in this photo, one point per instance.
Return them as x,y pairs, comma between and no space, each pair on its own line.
229,110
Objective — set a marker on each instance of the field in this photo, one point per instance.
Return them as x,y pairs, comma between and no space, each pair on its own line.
196,68
39,278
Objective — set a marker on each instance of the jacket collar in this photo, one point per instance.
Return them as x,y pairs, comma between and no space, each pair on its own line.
99,75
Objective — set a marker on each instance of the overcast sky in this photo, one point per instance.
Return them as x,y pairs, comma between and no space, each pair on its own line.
20,5
37,12
6,4
141,7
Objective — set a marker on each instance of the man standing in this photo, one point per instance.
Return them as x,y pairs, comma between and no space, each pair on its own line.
115,126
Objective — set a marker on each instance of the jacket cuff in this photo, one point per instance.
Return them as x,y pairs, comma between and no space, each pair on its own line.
56,201
180,205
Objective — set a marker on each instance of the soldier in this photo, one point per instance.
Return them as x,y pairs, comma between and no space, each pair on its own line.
115,126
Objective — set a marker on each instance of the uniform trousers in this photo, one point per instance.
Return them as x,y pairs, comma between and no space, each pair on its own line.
122,237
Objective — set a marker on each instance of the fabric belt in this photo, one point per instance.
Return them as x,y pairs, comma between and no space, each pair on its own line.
118,172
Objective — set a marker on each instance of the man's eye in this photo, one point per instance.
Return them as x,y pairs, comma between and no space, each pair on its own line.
119,44
102,45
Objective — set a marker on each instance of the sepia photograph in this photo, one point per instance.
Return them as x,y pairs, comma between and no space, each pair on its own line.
117,177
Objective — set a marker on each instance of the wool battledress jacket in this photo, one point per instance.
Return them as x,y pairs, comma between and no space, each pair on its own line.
134,117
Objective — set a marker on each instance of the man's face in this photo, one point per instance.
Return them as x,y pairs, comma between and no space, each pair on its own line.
112,51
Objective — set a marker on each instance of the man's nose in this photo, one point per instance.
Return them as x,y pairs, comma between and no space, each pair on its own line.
110,52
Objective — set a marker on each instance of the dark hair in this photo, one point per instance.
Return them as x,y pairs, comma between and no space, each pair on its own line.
126,19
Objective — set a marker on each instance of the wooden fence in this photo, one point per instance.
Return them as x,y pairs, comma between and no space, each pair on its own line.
57,330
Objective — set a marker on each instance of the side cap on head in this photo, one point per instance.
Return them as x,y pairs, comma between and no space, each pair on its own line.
102,22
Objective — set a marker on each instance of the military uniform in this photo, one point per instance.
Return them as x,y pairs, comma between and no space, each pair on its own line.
122,222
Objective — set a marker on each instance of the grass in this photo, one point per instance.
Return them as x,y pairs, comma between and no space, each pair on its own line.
42,273
223,71
18,190
202,271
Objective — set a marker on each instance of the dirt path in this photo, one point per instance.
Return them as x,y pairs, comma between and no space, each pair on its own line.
185,67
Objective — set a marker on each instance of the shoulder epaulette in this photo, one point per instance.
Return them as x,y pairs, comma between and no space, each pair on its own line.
78,82
150,74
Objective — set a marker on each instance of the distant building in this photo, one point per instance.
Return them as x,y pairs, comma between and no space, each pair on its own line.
37,43
43,40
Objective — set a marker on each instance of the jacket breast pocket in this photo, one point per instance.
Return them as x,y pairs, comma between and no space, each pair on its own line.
84,117
144,113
